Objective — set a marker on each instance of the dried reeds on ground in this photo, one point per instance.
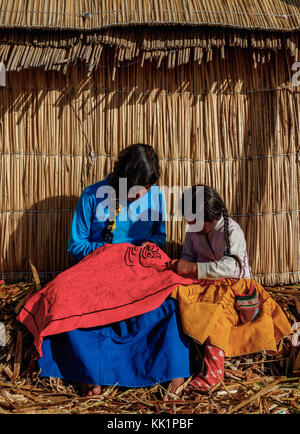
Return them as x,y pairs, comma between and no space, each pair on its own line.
255,383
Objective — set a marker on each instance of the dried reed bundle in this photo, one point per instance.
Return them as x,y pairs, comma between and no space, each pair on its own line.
88,14
58,50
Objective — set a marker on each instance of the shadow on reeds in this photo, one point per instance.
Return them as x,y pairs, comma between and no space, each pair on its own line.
173,249
41,236
292,3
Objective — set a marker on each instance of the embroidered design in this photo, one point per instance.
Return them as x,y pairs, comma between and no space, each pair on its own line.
247,305
140,255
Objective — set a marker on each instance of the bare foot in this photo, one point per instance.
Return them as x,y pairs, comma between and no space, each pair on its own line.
90,389
94,390
172,389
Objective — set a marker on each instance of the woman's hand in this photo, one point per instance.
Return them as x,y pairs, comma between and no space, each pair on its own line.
183,268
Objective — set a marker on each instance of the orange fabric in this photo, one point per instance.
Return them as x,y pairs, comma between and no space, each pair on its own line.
207,313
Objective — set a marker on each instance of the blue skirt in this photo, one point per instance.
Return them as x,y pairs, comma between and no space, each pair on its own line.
138,352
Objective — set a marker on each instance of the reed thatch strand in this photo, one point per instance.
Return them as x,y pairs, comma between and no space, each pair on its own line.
283,15
57,50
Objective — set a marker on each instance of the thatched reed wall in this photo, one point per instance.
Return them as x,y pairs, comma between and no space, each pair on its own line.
229,119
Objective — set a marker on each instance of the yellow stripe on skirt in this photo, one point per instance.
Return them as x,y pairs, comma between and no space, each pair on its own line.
207,312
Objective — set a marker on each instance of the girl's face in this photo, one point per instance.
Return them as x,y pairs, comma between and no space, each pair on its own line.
207,226
138,192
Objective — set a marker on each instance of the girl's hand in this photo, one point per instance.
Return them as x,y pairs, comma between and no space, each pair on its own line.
171,265
186,268
146,243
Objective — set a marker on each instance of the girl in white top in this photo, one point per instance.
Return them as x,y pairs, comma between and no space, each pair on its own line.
215,251
209,251
218,250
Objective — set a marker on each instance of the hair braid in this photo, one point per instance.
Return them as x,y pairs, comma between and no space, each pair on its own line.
227,251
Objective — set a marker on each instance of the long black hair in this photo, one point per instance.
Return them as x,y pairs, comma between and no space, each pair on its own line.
214,209
137,163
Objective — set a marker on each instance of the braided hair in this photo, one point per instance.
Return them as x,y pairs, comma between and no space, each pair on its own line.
214,209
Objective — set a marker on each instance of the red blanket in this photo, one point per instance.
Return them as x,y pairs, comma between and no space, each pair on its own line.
113,283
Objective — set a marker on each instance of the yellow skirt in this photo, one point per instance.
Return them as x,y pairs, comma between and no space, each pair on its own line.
207,312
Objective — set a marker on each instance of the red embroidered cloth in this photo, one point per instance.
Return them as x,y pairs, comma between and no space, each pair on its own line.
113,283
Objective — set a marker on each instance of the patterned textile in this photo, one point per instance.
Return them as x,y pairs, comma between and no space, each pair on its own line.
213,369
113,283
248,304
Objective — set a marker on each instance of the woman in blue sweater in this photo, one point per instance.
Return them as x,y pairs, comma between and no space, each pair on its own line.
126,207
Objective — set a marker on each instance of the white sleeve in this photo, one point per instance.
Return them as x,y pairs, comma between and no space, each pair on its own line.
226,266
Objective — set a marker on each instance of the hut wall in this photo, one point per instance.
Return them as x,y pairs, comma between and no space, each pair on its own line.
223,123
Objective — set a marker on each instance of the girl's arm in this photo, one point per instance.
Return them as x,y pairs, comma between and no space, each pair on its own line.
187,265
227,266
222,268
79,244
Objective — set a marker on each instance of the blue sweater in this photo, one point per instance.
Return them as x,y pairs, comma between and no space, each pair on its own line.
141,220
